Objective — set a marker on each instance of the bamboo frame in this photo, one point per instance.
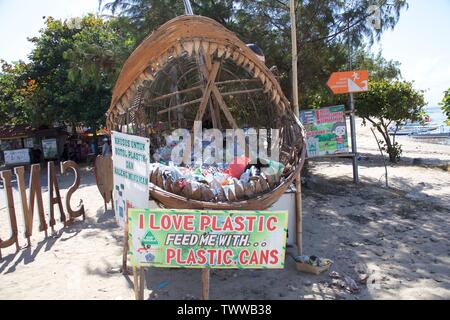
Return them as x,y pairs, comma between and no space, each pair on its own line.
205,283
188,35
207,92
298,179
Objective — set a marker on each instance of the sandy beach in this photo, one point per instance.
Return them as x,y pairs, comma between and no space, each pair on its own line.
393,242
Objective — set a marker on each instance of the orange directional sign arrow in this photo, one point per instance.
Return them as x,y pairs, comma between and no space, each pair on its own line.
349,82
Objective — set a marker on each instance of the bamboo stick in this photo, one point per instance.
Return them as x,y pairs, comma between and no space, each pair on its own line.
298,181
207,93
205,283
169,95
136,283
180,105
141,283
232,93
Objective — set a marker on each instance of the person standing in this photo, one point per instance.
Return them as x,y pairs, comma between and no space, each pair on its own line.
106,149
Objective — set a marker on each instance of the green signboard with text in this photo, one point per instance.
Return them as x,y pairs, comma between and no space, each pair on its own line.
207,239
326,131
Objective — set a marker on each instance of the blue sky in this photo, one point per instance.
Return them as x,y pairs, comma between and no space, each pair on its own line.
420,41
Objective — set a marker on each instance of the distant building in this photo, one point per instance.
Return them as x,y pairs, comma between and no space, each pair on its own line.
23,144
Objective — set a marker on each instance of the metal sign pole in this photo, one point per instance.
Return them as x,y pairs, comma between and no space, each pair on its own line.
353,115
188,8
354,146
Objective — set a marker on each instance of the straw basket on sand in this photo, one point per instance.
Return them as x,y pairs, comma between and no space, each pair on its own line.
193,69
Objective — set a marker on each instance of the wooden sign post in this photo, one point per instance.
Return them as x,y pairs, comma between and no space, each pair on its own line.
351,82
6,177
76,184
103,170
53,187
35,196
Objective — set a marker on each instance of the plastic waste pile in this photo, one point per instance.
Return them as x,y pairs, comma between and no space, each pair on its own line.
314,261
238,180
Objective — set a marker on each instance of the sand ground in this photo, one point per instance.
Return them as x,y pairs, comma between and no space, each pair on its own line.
395,239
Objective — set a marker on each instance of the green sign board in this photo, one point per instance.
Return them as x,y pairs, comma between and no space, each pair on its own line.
326,131
211,239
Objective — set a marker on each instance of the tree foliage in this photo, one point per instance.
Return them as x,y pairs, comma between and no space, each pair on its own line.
390,103
75,63
15,88
445,104
70,75
322,32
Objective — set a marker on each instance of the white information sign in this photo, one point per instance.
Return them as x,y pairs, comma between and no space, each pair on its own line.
131,173
20,156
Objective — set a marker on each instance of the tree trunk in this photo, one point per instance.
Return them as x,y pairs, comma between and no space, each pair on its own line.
389,146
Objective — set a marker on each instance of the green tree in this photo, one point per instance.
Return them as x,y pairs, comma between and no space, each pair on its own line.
95,59
445,104
390,103
379,68
322,32
14,88
74,66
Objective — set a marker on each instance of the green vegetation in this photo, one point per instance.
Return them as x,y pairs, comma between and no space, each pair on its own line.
445,104
73,67
390,103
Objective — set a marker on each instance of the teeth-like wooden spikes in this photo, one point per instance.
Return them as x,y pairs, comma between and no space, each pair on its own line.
189,47
231,196
149,75
221,195
206,46
187,191
197,44
271,180
120,107
142,77
274,95
268,87
239,190
249,189
251,67
168,184
163,59
221,51
228,53
207,194
154,175
129,95
240,61
257,72
213,48
265,186
236,56
178,49
277,99
176,188
263,78
197,193
258,187
160,180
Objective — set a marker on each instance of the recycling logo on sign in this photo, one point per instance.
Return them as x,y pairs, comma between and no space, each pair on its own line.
150,240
